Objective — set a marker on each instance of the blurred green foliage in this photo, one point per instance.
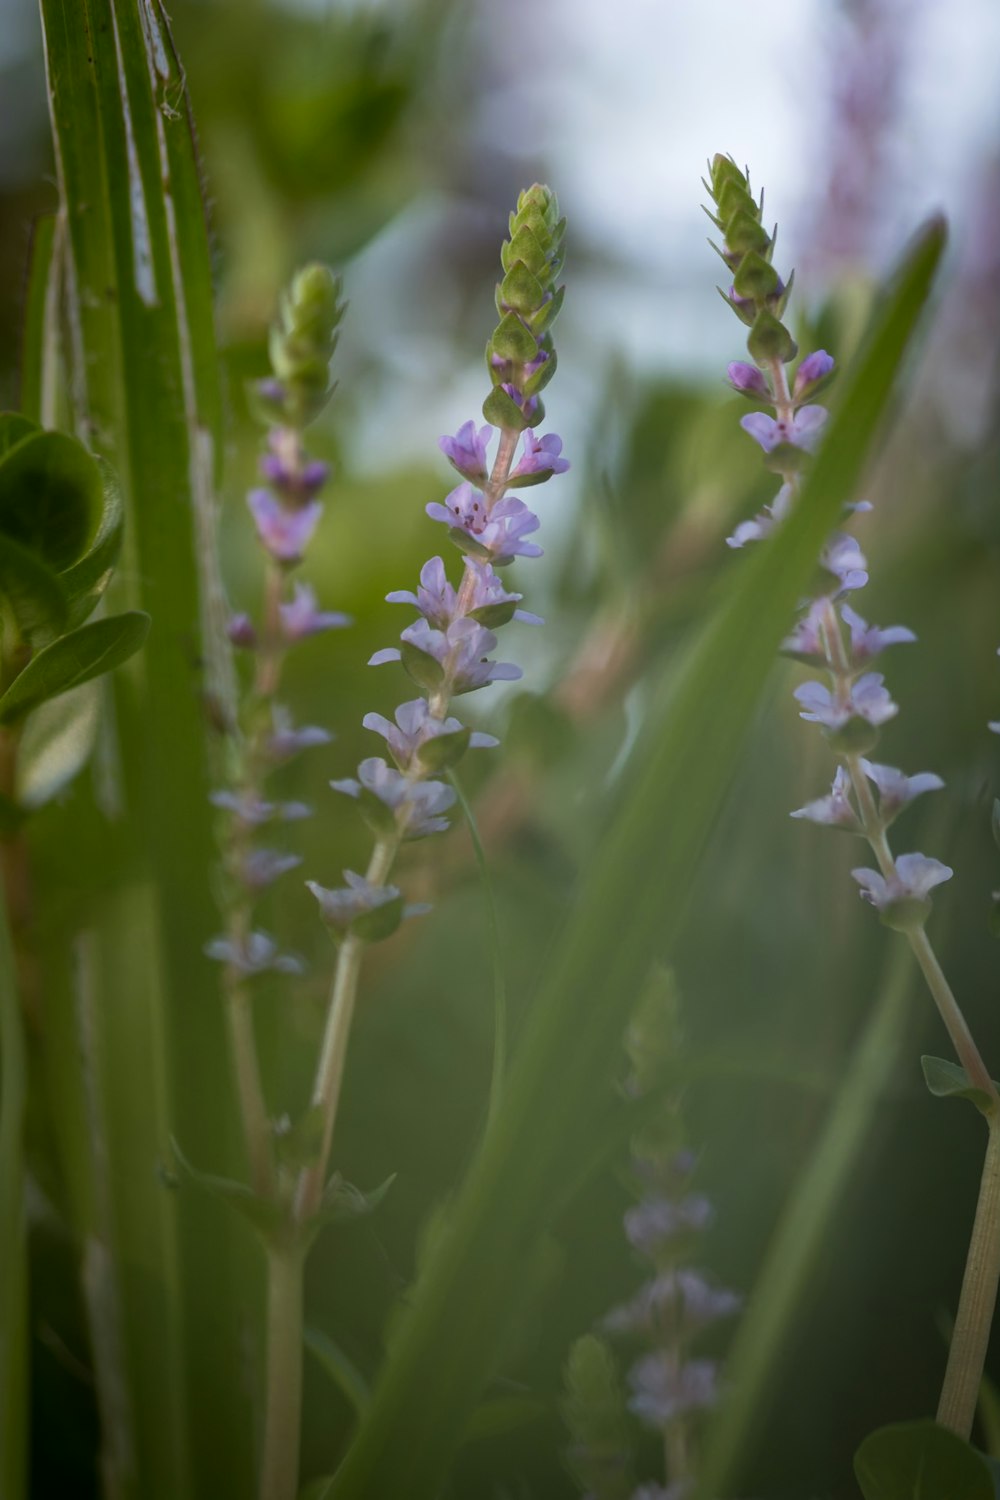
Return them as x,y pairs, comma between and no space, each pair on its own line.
318,133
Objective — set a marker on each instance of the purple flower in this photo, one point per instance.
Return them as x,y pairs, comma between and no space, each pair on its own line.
764,522
528,404
254,811
414,726
801,432
499,530
651,1224
256,955
868,699
284,531
261,867
868,640
489,603
748,380
296,483
370,911
436,598
418,805
285,740
683,1301
845,560
896,790
301,618
540,456
466,451
807,641
241,632
664,1390
836,810
916,875
460,652
814,368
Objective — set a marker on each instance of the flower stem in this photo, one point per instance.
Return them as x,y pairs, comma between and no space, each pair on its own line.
249,1089
333,1051
967,1353
279,1475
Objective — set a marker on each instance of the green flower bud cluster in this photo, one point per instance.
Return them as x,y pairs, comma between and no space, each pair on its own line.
758,295
301,345
594,1411
520,355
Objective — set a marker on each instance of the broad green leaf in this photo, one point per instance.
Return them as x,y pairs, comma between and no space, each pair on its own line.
51,497
14,429
85,653
87,579
56,744
35,594
670,799
14,1379
342,1371
946,1080
920,1461
502,1414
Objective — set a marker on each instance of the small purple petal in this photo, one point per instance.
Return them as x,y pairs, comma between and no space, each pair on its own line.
814,367
836,810
301,618
748,380
284,531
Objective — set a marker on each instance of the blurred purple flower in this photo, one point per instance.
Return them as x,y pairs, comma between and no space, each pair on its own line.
664,1390
801,432
836,810
414,726
867,699
654,1222
896,790
748,380
466,451
814,367
868,640
916,875
284,531
254,956
301,618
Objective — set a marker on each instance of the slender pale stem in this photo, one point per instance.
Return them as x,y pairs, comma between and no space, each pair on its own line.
333,1051
969,1341
279,1475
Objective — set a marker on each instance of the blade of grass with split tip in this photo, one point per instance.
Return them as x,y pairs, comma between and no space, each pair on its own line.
629,905
804,1227
143,379
13,1231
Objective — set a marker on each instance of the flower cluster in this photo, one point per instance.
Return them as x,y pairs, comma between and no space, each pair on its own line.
854,703
448,649
668,1387
286,510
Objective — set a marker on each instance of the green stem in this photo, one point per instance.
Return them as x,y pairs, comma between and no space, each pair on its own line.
253,1109
279,1477
333,1051
967,1353
496,955
13,1245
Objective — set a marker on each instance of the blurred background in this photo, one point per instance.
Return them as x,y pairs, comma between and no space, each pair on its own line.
390,139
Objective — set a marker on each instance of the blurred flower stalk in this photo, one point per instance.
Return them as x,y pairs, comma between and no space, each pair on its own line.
866,797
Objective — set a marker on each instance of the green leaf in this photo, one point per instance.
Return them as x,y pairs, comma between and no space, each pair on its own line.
85,653
946,1080
920,1461
51,497
14,429
56,744
502,1414
34,593
266,1216
341,1370
87,579
670,797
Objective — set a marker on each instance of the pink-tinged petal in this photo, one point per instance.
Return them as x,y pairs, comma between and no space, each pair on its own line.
389,653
